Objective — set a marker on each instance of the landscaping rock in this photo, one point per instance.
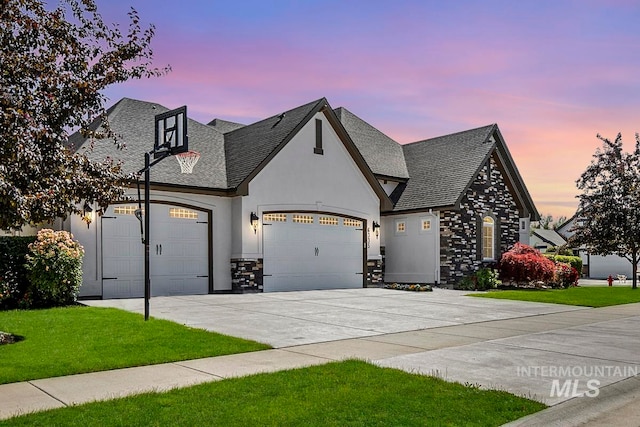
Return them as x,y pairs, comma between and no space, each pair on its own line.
416,287
6,338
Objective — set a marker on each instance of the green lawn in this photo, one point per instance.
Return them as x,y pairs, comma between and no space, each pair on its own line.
350,393
589,296
72,340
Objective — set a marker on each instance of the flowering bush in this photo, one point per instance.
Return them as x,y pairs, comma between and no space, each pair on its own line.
524,264
565,275
54,263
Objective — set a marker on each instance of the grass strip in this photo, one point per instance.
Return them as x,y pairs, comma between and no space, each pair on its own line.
73,340
350,393
588,296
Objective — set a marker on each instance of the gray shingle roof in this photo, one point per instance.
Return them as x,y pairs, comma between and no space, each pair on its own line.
225,126
550,236
437,170
133,121
249,146
383,155
441,168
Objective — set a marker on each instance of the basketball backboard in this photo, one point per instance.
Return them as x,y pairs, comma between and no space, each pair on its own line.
171,133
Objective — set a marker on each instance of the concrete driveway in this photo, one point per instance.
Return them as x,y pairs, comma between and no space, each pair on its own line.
284,319
529,349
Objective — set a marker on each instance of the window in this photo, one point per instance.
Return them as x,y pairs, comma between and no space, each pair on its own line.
318,148
328,220
401,226
274,217
488,237
125,210
426,224
303,219
182,213
348,222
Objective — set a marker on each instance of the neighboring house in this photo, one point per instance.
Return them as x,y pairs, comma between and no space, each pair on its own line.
543,239
597,266
330,192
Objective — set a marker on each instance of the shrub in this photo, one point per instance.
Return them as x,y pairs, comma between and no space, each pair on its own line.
467,283
524,264
483,279
14,281
573,261
565,275
54,263
486,278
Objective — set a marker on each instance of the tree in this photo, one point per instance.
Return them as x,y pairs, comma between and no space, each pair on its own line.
547,222
609,209
55,65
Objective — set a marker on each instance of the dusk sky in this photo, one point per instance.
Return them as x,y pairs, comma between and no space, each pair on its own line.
551,74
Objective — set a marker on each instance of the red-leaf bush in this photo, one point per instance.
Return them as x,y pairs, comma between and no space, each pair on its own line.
524,264
566,275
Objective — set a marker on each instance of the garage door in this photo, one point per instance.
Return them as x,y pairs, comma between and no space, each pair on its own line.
178,252
311,251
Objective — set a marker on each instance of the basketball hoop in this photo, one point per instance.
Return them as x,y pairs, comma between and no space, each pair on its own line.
188,160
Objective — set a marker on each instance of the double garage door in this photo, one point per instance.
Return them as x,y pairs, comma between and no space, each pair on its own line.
304,251
179,256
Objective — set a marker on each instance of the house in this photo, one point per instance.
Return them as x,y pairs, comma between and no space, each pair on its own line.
543,239
596,266
310,198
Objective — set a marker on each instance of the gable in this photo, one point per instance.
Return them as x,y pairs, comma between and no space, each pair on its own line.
300,178
441,169
250,148
253,147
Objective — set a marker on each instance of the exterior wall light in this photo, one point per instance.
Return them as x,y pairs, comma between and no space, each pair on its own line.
254,222
376,228
89,214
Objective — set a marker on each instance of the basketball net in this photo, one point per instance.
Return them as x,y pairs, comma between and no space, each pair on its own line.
188,160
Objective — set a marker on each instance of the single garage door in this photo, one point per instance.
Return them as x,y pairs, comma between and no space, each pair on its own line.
179,258
305,251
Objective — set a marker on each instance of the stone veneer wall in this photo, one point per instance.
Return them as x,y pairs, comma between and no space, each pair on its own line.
374,273
246,275
458,244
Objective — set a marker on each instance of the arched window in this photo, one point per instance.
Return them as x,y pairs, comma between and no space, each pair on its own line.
488,238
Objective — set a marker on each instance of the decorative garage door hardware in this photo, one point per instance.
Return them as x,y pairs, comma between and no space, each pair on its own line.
317,251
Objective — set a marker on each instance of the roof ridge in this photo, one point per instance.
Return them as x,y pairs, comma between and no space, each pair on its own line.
493,125
277,115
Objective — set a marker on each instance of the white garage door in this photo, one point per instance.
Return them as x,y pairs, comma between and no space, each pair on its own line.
178,252
311,251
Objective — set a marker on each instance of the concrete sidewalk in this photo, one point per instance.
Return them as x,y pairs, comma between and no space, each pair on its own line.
491,354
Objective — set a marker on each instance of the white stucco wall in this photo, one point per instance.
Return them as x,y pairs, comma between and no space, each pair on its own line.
297,179
525,231
600,267
412,256
388,185
90,238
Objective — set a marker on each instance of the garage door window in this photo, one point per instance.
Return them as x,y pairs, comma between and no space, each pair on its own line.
182,213
348,222
328,220
274,217
303,219
125,210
